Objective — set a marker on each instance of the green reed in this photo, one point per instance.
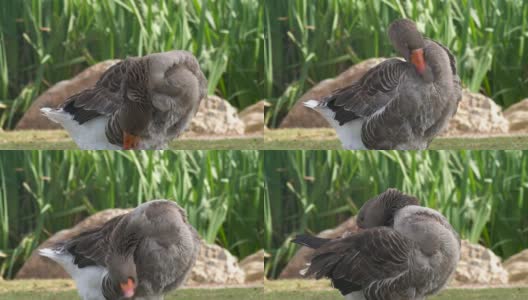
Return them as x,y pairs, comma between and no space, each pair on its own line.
482,193
315,40
43,42
44,192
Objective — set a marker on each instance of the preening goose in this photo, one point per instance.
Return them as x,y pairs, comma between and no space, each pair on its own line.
397,104
142,254
139,103
402,251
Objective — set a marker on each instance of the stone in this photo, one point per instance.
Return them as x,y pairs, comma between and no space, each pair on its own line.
214,265
477,114
517,267
478,266
253,117
54,96
216,116
299,260
517,115
253,266
302,117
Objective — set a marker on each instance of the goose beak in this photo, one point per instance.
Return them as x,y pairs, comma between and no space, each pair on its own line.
128,288
418,60
130,141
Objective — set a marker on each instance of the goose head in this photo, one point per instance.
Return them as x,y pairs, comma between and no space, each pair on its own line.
380,210
122,272
410,44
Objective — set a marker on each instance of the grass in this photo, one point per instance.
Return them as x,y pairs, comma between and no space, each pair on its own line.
64,289
44,42
59,140
309,41
43,192
325,139
483,194
308,289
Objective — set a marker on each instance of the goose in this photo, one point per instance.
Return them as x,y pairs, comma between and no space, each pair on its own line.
401,251
398,104
139,255
139,103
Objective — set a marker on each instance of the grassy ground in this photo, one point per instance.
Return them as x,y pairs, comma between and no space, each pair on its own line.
64,289
308,289
59,140
325,139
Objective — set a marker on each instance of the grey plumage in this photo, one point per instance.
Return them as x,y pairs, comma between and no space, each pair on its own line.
154,245
402,251
399,106
153,97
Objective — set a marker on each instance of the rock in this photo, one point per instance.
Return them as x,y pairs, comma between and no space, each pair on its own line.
253,117
517,115
54,96
216,116
215,265
517,267
253,267
302,117
299,260
477,114
43,268
478,266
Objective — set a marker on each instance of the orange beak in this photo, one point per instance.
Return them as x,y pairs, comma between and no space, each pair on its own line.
418,60
130,141
128,288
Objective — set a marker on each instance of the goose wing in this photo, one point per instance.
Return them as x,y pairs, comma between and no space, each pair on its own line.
368,95
101,100
91,247
374,260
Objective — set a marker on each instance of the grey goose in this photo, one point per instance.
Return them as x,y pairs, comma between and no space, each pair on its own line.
401,251
139,103
398,104
139,255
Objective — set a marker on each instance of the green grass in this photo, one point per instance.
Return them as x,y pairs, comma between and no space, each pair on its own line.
59,140
325,139
309,41
483,194
44,42
308,289
42,192
63,289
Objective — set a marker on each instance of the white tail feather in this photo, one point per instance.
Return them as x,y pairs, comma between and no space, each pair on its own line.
311,104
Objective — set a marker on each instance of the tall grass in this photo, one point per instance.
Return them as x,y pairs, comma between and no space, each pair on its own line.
482,193
43,42
44,192
313,40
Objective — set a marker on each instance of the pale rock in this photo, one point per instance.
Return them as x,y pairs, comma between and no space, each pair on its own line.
253,266
216,266
477,115
517,115
253,117
216,116
478,266
517,267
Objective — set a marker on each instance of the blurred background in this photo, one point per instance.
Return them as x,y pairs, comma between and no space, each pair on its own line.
483,194
43,192
309,41
44,42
